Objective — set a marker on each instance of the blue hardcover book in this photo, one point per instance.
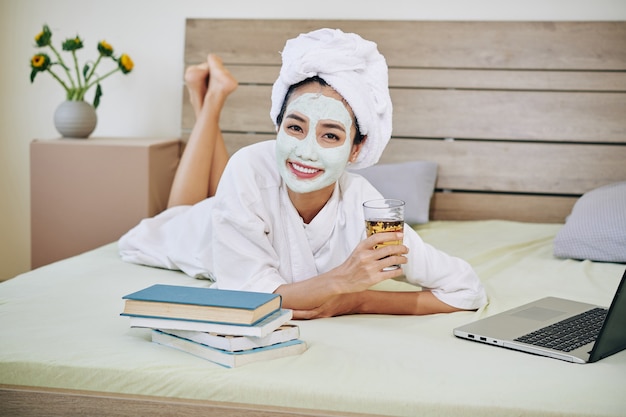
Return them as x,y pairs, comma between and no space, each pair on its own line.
227,358
204,304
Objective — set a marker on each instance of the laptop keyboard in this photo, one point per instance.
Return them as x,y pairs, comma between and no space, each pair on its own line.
570,333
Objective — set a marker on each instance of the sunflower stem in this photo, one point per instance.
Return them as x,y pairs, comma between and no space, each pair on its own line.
65,67
78,77
93,69
97,80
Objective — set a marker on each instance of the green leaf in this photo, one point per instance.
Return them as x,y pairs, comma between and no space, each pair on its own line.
96,99
32,75
85,71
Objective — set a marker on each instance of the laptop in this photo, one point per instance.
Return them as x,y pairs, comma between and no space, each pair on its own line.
557,328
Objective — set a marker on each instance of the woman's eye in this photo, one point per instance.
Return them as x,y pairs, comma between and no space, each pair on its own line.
332,136
294,128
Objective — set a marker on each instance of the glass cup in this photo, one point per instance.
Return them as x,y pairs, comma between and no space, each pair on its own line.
384,215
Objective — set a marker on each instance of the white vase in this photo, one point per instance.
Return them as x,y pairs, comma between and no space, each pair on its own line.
75,119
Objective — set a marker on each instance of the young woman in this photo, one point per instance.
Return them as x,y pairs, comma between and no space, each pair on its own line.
287,217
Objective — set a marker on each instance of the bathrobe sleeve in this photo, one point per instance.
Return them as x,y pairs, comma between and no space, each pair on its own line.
451,279
179,238
248,240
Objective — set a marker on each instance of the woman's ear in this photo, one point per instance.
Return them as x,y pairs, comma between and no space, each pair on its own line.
356,149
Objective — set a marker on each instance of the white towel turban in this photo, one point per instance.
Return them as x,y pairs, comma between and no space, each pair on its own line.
355,69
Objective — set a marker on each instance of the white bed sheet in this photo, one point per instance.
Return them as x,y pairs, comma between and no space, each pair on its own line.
60,327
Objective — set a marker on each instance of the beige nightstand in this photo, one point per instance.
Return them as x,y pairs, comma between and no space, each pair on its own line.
88,192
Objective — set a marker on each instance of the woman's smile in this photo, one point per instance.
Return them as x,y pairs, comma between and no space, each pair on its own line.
304,171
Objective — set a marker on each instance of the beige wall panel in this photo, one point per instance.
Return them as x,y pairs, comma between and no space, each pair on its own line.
479,206
496,45
515,167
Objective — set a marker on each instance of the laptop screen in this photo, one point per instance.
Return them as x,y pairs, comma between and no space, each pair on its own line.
612,337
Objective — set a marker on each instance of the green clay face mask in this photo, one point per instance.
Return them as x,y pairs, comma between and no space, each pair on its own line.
304,164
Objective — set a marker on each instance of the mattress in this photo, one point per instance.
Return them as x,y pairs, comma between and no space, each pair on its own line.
60,327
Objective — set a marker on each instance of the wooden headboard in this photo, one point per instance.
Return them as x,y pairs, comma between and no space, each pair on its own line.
522,117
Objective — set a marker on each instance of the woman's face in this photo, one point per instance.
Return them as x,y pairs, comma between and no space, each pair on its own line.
314,141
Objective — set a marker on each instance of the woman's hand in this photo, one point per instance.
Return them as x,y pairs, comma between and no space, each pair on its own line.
364,267
337,305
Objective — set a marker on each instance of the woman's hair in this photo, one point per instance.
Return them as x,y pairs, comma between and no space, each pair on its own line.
358,137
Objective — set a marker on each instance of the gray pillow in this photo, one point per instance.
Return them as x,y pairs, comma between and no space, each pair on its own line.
413,182
596,228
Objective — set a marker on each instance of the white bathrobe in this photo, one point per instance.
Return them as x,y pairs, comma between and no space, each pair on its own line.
250,237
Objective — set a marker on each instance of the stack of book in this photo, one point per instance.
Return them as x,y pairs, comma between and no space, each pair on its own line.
231,328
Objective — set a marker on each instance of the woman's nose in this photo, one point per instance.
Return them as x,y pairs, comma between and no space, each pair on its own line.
307,148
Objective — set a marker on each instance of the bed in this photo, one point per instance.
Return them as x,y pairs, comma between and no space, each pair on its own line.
525,121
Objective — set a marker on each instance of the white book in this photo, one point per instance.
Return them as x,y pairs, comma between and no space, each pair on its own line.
226,358
260,329
232,343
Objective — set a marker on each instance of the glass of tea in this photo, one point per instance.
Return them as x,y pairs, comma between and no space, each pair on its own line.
384,215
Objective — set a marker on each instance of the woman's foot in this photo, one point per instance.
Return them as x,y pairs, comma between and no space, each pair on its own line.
196,80
221,82
210,77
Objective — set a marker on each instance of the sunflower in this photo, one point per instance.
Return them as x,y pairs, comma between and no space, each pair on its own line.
74,81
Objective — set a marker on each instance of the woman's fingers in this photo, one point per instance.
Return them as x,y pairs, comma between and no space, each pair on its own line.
382,245
386,238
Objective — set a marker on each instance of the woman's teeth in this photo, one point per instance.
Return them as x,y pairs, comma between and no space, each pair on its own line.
304,170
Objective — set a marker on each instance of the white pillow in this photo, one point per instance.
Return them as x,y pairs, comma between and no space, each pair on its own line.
596,228
413,182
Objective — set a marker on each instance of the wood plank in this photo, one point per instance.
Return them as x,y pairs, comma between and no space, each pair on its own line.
56,402
520,115
466,79
252,74
495,45
508,79
498,115
235,141
246,110
485,206
521,167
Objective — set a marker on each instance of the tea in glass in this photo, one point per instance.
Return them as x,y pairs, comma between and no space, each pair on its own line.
384,215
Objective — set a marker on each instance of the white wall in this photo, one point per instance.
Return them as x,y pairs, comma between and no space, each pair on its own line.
147,102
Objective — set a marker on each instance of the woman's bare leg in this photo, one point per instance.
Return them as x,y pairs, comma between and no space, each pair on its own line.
205,155
197,82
